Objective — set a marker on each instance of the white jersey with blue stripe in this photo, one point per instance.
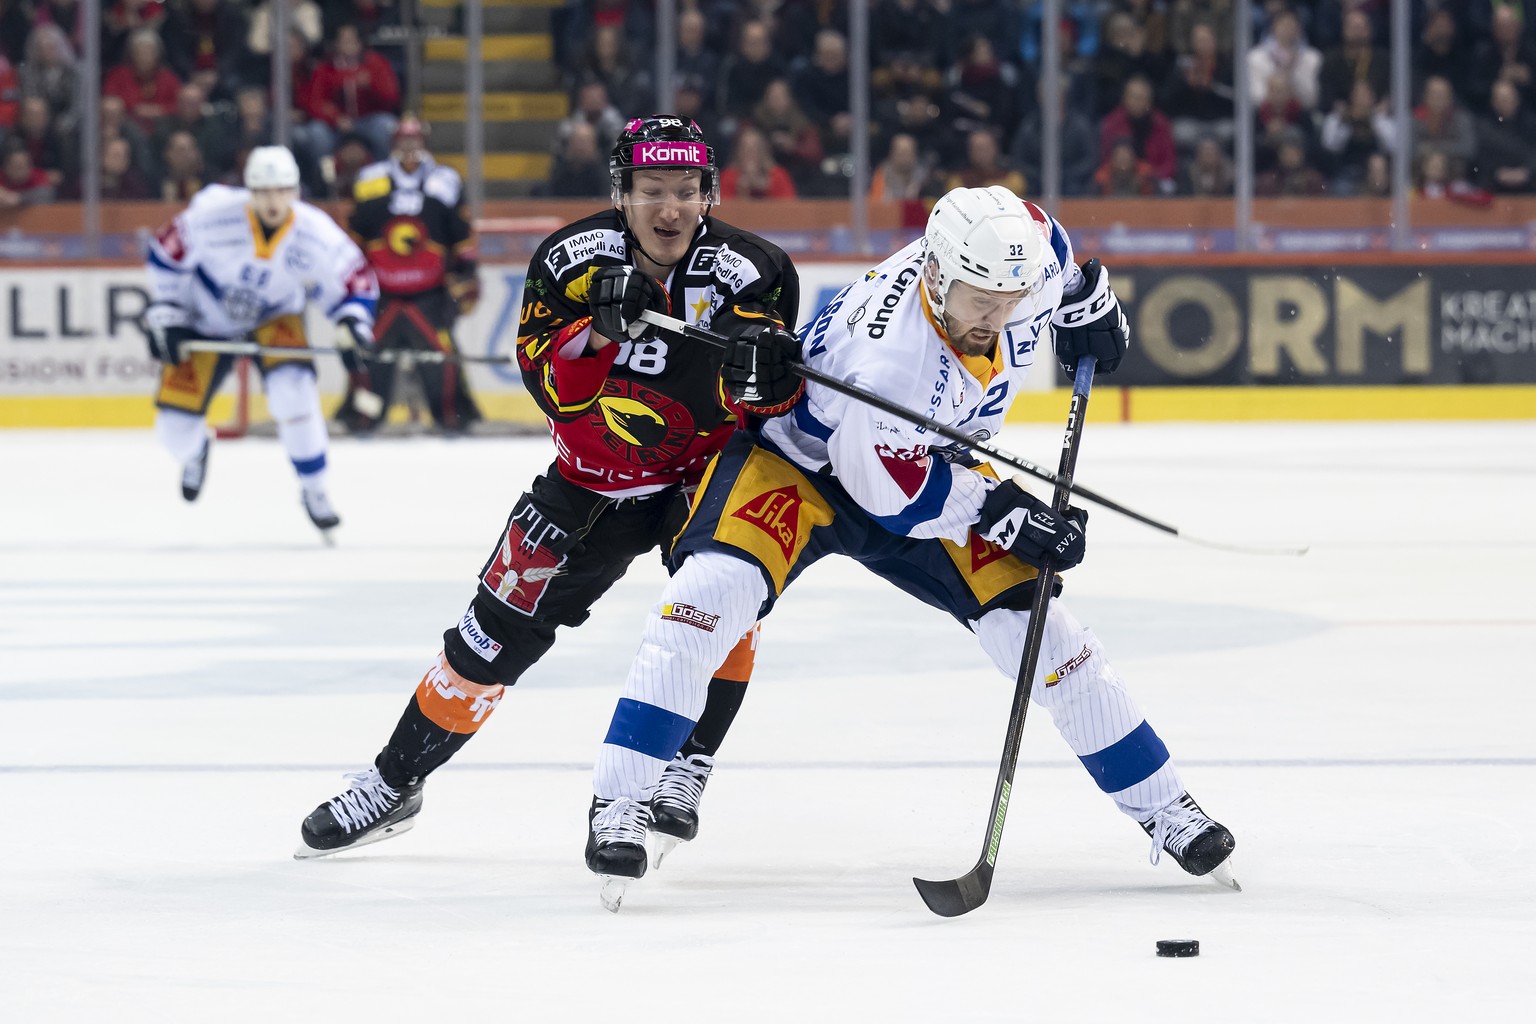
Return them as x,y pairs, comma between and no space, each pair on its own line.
880,334
216,264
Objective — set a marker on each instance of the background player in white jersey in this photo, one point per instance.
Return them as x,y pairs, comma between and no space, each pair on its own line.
243,263
948,326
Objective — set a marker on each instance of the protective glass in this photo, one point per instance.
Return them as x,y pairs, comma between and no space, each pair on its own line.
969,308
651,193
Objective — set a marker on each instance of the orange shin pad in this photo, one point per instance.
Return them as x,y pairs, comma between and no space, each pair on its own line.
737,666
452,702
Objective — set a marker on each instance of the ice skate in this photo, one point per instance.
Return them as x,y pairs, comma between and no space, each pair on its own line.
195,472
616,846
369,811
1200,846
318,505
675,804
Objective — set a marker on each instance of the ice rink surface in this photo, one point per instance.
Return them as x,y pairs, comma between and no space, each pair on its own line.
180,685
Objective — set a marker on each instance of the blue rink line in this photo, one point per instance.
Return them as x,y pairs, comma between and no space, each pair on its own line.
586,766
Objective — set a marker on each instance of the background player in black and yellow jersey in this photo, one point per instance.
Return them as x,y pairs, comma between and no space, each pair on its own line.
635,417
411,223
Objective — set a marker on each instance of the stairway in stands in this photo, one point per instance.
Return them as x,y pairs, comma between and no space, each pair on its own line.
523,97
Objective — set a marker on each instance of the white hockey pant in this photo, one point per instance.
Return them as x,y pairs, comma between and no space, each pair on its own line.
183,434
293,398
705,609
1090,706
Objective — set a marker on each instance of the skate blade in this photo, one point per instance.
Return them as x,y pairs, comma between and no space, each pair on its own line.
327,536
665,844
389,832
1221,874
612,893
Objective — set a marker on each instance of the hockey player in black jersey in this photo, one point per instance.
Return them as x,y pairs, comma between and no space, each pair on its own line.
635,418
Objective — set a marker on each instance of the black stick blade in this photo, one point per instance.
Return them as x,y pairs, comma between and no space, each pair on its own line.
958,895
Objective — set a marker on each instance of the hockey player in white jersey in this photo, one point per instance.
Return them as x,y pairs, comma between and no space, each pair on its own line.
949,326
243,263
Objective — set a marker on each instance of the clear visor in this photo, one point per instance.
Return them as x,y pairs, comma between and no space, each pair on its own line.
680,187
977,310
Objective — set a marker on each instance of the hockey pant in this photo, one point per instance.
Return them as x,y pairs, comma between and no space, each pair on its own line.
421,323
745,543
293,399
563,547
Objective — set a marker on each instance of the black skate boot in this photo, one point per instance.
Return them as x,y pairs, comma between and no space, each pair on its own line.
318,505
195,472
675,804
369,811
616,845
1200,846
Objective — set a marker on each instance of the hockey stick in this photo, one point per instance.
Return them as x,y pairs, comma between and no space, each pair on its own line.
678,327
964,894
251,348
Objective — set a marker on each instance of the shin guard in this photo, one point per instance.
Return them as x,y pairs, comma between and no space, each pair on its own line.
444,713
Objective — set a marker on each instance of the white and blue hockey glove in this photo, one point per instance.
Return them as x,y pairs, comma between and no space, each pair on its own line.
1090,322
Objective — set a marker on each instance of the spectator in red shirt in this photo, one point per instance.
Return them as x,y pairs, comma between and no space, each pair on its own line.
1148,130
143,82
752,174
354,90
1123,173
122,20
21,183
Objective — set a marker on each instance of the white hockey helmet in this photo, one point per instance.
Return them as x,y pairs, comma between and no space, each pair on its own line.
986,238
271,167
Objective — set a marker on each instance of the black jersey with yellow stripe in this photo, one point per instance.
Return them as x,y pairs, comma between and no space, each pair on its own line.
638,416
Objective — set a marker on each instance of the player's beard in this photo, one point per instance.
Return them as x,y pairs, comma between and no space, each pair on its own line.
969,339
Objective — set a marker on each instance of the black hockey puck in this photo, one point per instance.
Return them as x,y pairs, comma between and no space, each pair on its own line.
1178,947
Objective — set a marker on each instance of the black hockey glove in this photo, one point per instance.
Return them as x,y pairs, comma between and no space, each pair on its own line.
1090,322
617,296
757,369
352,333
165,326
1013,518
165,343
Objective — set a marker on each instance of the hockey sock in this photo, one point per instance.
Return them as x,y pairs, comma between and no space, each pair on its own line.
294,401
726,691
183,434
712,599
1090,707
444,713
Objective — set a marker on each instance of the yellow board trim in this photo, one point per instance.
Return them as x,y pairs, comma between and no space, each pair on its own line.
502,166
1283,404
496,3
498,106
1108,405
498,47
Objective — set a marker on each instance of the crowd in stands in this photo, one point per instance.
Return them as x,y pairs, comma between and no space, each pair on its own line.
1148,100
1147,86
186,94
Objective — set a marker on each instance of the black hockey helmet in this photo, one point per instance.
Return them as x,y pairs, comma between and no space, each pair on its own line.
662,142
